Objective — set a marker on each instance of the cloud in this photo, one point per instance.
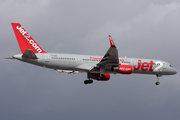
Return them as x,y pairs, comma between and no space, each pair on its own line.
148,29
156,13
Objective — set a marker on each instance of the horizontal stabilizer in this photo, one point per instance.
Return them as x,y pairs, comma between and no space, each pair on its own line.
9,58
29,54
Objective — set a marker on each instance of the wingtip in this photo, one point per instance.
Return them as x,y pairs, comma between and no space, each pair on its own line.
111,41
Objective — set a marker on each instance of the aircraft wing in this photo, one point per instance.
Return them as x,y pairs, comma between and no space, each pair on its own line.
109,59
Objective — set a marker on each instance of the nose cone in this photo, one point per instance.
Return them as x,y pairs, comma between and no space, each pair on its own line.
174,71
169,71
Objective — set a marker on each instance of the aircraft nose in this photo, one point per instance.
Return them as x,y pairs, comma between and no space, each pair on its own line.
174,71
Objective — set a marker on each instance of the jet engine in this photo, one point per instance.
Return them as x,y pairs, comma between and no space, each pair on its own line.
123,69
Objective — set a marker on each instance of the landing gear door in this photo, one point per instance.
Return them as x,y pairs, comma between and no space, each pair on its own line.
46,58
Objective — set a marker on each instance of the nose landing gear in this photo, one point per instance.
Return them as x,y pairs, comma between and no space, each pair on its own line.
157,83
158,78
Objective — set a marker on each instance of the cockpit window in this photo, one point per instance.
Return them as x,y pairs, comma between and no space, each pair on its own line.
170,65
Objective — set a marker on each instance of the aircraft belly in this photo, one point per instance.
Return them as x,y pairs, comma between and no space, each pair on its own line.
62,65
144,72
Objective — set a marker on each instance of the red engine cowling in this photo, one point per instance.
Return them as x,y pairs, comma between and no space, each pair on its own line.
96,76
123,69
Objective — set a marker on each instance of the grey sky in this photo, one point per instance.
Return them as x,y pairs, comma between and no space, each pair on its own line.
139,28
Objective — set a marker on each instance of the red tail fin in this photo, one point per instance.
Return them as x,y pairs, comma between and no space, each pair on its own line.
25,41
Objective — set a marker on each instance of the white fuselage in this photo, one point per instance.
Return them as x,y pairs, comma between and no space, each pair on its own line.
83,63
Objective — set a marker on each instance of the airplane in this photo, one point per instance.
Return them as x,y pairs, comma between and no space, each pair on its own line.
97,67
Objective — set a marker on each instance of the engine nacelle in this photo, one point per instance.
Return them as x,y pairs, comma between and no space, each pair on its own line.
123,69
96,76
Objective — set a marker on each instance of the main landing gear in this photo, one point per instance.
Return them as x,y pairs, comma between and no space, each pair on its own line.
88,82
158,77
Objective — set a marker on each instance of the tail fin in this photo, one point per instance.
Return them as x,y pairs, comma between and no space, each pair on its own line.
25,41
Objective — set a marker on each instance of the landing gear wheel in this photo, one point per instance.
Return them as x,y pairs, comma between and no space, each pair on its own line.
88,82
158,77
157,83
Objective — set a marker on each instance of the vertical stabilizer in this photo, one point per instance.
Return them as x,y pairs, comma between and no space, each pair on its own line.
25,41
